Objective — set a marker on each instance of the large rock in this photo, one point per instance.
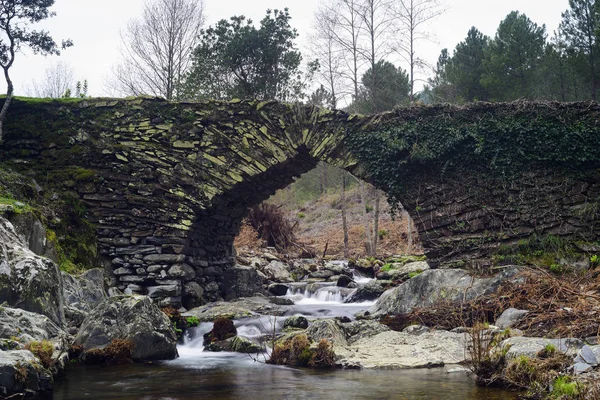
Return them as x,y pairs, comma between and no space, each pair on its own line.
240,281
531,346
82,294
441,285
133,318
25,326
510,317
369,292
278,272
390,349
27,280
238,309
401,271
20,372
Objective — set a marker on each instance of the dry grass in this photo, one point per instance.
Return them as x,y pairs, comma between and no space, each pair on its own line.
560,306
119,351
43,351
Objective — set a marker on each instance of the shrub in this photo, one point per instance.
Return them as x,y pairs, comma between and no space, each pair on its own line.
118,351
43,351
272,226
297,351
192,321
223,328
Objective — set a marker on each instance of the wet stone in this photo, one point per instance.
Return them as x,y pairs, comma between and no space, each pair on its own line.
122,271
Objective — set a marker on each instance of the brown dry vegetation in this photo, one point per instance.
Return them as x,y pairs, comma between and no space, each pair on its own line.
560,306
118,351
318,224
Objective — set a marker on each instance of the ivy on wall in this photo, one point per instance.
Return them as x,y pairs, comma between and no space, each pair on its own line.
501,139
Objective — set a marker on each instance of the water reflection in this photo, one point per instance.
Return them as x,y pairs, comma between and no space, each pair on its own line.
235,376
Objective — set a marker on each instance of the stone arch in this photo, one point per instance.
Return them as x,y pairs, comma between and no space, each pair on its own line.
166,184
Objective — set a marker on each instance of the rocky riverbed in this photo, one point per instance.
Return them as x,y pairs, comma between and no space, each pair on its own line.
50,319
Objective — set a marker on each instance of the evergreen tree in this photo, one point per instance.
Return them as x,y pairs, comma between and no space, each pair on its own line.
580,27
237,60
513,57
466,68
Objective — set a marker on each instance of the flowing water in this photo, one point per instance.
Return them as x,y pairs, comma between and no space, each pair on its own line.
198,374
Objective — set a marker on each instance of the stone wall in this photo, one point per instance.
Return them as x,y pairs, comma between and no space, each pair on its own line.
166,185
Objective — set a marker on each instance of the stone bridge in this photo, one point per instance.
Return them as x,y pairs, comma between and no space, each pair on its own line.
166,185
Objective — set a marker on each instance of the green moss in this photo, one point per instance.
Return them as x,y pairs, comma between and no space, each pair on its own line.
17,206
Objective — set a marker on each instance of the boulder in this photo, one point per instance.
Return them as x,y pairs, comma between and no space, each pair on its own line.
278,272
20,372
336,268
369,292
240,281
25,326
330,329
510,317
401,271
531,346
359,329
343,281
322,274
238,344
296,321
82,294
133,318
397,350
278,289
27,280
440,285
238,309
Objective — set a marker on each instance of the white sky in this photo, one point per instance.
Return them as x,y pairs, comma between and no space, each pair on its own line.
94,27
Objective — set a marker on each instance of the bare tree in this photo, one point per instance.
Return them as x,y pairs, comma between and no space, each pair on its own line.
346,33
58,78
411,16
326,48
378,22
157,48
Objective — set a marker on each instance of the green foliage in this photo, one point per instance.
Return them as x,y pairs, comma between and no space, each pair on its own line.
382,233
15,20
192,321
414,273
466,67
512,58
383,88
512,138
237,60
301,215
563,386
17,206
42,350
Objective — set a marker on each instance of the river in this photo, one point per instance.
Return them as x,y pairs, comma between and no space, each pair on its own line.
199,374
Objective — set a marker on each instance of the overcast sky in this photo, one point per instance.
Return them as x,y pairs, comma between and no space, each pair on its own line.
94,28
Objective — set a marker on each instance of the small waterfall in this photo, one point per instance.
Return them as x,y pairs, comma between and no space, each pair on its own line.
360,278
318,293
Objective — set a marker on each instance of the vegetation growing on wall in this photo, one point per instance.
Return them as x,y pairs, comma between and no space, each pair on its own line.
500,138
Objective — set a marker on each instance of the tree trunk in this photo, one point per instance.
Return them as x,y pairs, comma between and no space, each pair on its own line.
344,220
9,96
409,244
363,198
376,223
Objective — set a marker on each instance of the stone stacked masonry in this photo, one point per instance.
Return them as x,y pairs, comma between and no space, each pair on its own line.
166,185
